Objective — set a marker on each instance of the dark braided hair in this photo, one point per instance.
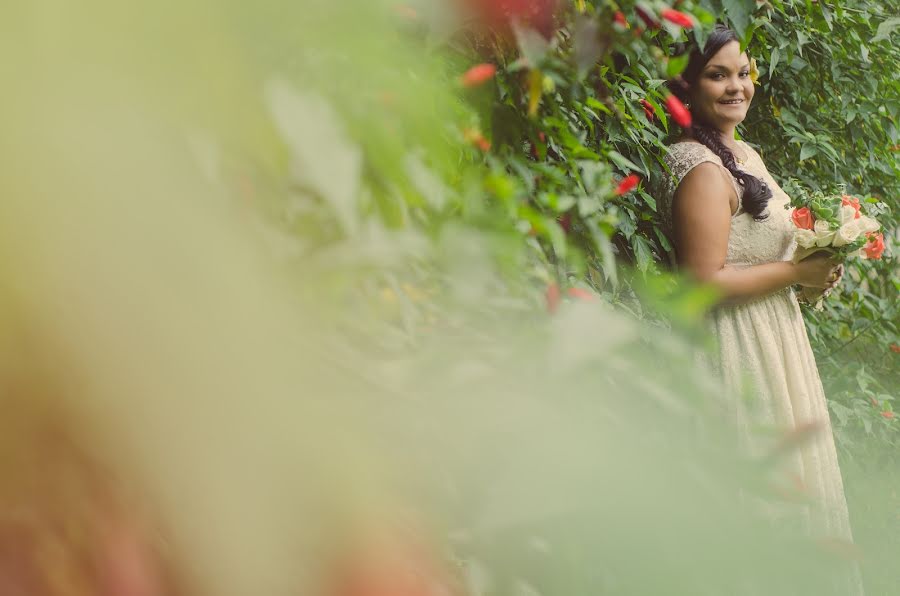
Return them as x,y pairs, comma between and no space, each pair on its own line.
756,193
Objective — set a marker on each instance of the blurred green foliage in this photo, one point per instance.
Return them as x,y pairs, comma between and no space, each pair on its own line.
512,206
573,114
442,209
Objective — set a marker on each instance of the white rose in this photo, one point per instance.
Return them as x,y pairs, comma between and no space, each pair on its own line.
824,233
848,214
867,224
847,233
805,238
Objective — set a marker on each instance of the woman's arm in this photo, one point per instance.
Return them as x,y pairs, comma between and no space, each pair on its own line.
701,212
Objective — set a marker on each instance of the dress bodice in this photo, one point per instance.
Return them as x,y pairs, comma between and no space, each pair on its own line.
750,242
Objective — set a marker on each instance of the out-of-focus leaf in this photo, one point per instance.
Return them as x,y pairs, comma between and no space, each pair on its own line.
886,29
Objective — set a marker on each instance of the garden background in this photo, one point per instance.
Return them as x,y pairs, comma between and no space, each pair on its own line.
475,257
577,106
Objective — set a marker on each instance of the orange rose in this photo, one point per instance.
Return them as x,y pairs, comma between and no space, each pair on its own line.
803,218
875,247
888,414
853,202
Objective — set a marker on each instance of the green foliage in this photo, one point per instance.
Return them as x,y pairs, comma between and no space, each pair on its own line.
380,192
825,113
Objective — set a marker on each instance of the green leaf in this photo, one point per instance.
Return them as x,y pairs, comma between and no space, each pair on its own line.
885,29
826,12
627,225
663,241
588,48
606,252
739,12
623,162
677,65
807,151
773,61
597,105
531,43
642,254
649,199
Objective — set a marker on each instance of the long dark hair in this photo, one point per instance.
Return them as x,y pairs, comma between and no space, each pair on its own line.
756,193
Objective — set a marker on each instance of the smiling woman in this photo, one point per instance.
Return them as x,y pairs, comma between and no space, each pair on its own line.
727,218
720,93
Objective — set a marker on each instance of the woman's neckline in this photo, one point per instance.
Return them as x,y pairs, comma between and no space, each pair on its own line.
741,142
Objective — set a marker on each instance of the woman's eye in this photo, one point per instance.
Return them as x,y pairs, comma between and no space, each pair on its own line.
746,73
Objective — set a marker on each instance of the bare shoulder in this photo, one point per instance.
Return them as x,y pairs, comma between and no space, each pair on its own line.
706,186
701,219
705,179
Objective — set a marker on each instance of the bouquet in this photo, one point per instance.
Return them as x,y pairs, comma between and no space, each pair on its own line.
835,224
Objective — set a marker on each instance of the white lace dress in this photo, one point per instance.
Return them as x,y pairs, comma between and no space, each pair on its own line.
764,356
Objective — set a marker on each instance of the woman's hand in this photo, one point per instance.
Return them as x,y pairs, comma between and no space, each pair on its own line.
821,271
838,275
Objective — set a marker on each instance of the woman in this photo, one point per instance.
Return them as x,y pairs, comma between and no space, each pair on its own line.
728,222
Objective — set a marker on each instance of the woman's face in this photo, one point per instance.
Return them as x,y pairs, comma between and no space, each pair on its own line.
721,96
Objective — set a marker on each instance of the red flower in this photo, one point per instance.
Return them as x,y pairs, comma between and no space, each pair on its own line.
553,297
647,16
627,184
680,114
478,74
581,294
853,202
895,348
803,218
648,110
474,136
888,414
619,18
679,18
875,247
